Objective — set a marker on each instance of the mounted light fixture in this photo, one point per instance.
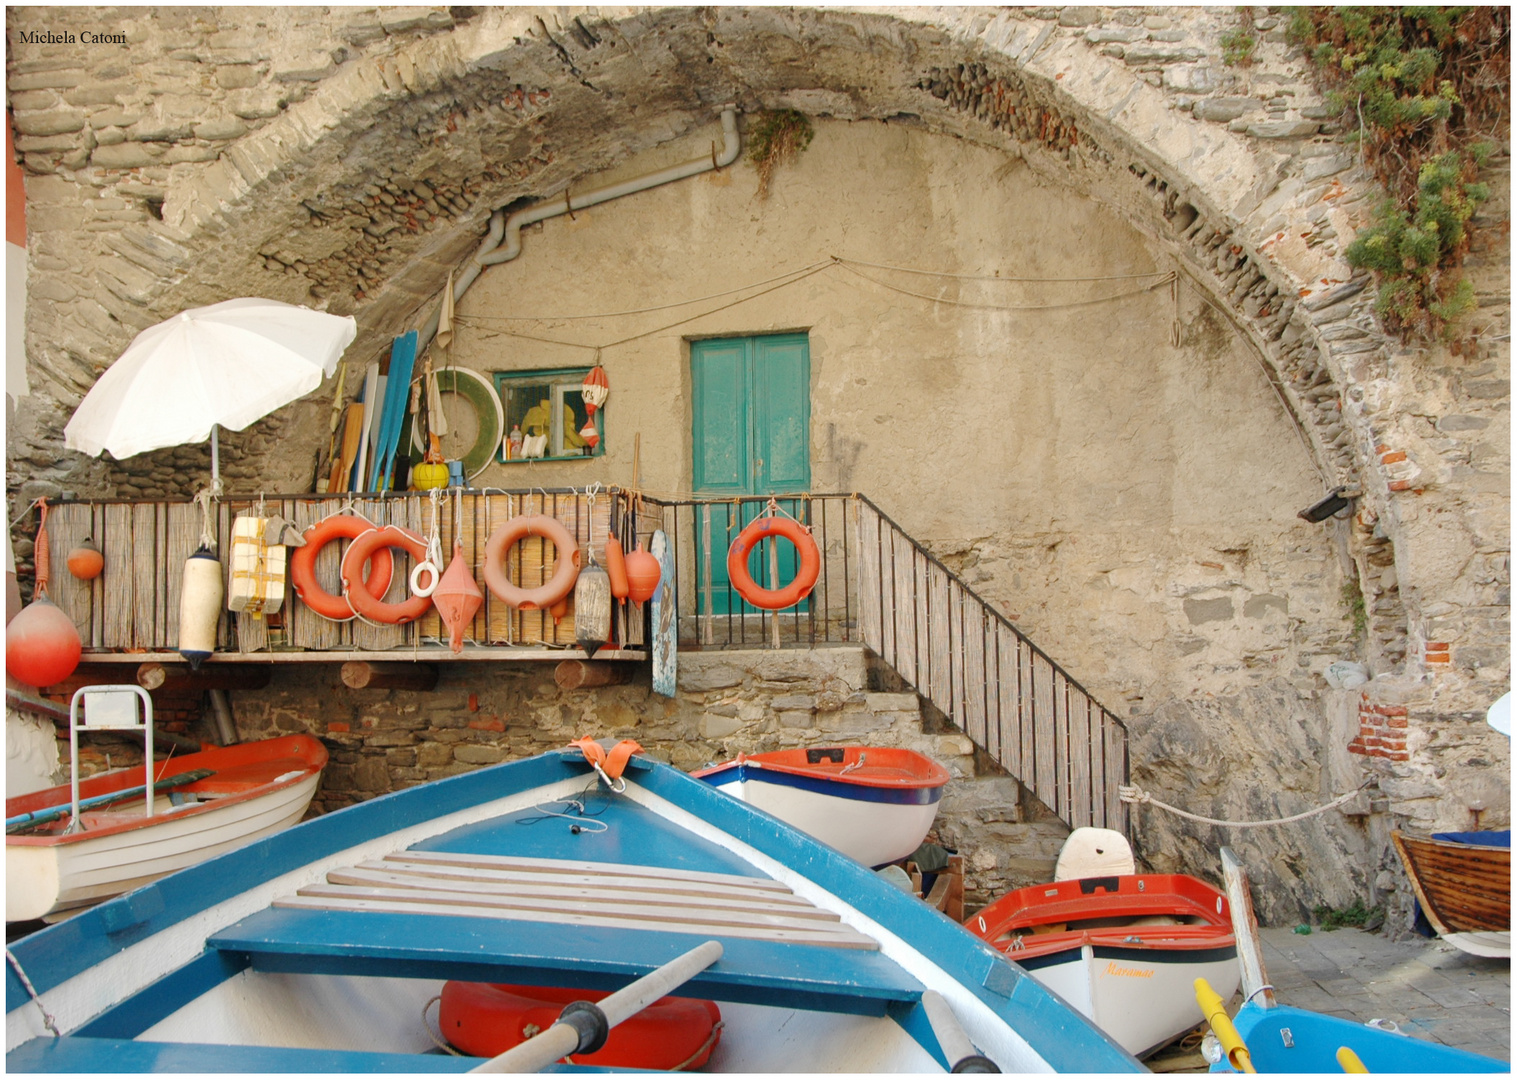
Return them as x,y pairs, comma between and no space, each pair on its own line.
1336,503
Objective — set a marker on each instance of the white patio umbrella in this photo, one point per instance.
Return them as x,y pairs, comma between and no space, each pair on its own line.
225,365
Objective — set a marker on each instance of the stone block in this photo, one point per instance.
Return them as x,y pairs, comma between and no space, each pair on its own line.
223,127
399,19
473,754
1192,78
712,726
52,122
1282,129
309,67
61,79
371,774
1223,110
1102,35
33,100
1159,53
697,676
98,93
1219,609
237,76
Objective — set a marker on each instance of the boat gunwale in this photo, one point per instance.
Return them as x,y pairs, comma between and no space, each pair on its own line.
309,767
866,776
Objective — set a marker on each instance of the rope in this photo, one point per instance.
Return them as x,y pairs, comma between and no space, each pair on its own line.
437,1039
716,1029
47,1017
207,535
1163,282
1131,793
1017,280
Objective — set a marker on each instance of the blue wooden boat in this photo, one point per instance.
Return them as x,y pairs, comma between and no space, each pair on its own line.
1289,1040
321,948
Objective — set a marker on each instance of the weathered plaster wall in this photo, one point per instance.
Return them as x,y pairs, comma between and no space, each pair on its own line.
278,151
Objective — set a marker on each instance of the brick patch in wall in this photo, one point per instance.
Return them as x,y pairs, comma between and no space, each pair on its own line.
1382,732
1435,652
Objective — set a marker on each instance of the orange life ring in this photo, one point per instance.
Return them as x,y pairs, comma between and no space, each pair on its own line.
486,1019
361,596
805,578
303,565
565,571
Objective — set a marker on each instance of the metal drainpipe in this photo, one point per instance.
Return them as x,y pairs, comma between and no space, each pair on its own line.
508,230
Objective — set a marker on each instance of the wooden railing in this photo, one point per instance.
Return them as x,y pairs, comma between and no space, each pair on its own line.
132,608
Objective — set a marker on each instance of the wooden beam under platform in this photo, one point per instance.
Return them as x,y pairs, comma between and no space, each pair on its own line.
171,677
388,675
580,674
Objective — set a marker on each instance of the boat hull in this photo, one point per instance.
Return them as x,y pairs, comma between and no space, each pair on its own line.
123,850
1313,1041
1124,950
320,947
875,813
1465,889
1141,997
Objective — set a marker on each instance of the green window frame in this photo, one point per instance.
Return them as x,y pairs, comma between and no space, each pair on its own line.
547,401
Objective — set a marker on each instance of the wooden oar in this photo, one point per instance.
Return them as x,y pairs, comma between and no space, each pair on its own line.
347,454
1349,1061
22,822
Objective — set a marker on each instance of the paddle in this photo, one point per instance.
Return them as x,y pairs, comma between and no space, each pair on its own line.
22,822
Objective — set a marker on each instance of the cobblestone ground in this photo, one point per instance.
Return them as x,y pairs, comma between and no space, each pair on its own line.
1431,989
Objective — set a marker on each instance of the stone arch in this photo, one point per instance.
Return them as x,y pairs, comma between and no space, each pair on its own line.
507,105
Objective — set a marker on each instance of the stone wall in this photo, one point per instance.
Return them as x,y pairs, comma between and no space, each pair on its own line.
350,158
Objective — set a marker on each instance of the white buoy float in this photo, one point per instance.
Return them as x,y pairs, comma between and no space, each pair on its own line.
200,606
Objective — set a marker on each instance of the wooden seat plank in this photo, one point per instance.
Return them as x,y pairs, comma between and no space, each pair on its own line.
577,866
355,901
367,874
630,883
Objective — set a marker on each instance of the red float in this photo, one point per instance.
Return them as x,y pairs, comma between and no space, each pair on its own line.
42,645
642,575
486,1019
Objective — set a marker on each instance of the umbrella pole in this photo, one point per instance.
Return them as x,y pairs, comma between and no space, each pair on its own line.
215,461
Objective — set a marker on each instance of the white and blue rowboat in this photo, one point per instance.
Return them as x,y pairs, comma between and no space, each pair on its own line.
320,948
874,803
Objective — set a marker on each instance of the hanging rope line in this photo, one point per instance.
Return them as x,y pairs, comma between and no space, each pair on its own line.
1161,279
47,1017
1131,793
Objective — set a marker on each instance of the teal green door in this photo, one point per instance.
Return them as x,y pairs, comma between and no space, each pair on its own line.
752,436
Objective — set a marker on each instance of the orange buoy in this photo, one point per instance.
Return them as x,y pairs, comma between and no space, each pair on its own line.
85,562
303,566
565,568
486,1019
360,594
457,597
805,577
616,568
42,644
642,575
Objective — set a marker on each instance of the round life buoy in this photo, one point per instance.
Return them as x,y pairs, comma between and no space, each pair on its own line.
805,578
361,595
565,570
486,1019
303,566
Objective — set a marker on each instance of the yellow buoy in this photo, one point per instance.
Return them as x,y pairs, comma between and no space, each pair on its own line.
200,606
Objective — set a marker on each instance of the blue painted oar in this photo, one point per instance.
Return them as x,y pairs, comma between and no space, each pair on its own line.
397,394
52,813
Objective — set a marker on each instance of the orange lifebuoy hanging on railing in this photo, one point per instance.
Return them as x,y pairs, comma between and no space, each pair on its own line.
365,603
303,565
805,578
565,570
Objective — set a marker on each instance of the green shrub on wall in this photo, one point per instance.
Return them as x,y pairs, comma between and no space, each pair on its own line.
1420,87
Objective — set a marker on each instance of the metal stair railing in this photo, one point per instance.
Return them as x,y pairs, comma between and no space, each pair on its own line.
994,684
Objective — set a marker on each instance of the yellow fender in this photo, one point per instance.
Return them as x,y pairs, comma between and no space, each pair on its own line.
1349,1061
1216,1015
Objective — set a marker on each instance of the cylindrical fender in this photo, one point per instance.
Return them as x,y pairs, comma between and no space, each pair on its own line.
805,578
303,566
616,568
364,602
565,570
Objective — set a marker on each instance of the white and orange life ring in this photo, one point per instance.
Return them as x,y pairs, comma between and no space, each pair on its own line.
361,596
303,566
805,578
565,570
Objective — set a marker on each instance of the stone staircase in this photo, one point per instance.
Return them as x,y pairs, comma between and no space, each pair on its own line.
757,700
